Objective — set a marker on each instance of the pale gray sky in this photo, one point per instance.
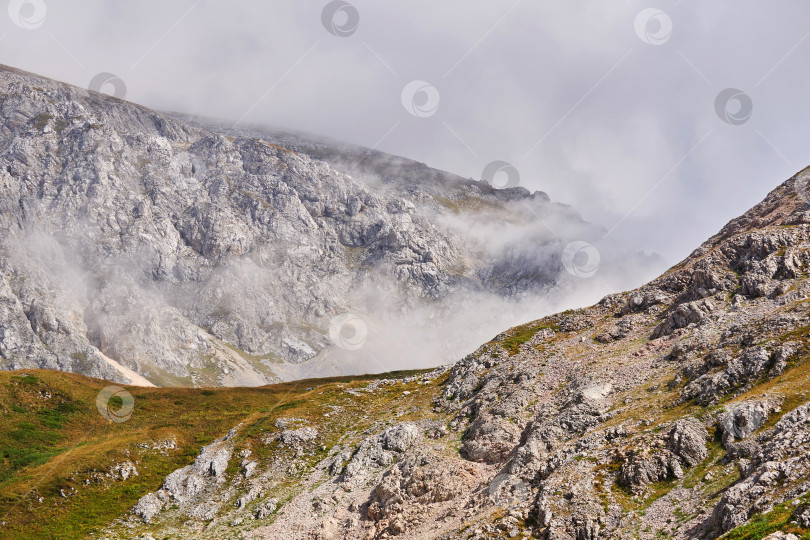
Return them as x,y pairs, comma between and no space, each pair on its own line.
589,103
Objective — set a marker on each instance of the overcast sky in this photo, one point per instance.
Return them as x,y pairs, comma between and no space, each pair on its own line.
608,105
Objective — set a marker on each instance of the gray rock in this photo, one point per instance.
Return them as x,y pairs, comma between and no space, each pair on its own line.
123,471
779,535
687,440
683,445
380,450
644,299
187,486
266,509
617,331
489,440
783,457
400,437
683,315
248,468
736,375
802,516
415,481
148,507
252,494
742,419
284,423
294,437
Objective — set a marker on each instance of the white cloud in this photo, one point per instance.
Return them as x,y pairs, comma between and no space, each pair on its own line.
543,70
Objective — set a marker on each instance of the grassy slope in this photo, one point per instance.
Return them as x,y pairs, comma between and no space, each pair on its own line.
56,443
49,444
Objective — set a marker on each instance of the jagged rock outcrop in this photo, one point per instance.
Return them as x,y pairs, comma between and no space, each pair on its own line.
419,480
187,487
745,418
779,471
298,436
379,450
683,445
737,373
684,315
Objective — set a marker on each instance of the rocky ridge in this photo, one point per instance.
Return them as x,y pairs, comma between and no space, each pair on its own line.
681,408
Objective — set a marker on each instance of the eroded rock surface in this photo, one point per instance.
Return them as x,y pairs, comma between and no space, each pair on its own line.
191,486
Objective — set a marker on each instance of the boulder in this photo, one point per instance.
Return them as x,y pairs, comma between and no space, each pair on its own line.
664,458
186,486
743,419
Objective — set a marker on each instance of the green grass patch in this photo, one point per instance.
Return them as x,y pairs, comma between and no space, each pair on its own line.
523,334
762,525
42,120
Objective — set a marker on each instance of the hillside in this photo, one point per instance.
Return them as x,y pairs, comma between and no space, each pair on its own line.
66,471
679,409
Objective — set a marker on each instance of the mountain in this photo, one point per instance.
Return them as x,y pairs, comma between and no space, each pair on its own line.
154,249
679,409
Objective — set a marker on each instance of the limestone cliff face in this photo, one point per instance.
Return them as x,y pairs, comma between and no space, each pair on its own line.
143,247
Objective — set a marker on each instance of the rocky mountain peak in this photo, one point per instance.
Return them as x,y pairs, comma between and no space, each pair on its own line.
152,248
